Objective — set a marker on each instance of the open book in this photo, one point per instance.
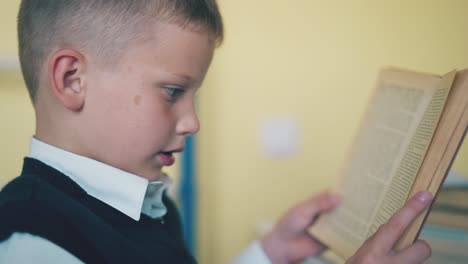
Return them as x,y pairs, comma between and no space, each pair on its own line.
414,126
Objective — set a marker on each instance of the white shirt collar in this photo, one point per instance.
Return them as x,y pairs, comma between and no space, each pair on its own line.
126,192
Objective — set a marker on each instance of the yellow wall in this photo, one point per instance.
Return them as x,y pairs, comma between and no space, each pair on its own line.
8,28
16,126
315,61
16,115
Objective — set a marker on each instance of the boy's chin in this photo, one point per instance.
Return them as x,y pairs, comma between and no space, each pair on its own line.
150,174
153,175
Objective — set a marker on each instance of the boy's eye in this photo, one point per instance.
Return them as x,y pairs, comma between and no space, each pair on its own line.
173,91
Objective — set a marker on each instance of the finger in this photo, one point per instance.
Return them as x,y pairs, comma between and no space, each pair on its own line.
321,203
320,246
390,232
303,215
416,253
304,247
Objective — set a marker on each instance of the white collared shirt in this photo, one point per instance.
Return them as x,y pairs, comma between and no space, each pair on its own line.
104,183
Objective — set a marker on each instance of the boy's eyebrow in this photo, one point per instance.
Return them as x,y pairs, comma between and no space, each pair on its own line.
185,77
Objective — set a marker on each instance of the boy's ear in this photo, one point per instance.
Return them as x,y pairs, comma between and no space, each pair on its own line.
67,80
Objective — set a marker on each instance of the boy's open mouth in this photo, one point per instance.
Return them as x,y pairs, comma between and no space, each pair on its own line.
167,157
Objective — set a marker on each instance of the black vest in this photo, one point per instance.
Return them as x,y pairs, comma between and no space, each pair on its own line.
46,203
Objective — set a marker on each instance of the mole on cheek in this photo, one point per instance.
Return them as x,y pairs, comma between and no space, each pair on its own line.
137,100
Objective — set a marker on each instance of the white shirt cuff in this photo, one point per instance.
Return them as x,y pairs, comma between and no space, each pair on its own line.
253,254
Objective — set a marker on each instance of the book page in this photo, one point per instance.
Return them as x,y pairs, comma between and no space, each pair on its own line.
385,158
444,146
421,137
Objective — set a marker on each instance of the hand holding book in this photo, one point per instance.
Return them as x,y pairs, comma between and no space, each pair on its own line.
407,142
289,241
379,248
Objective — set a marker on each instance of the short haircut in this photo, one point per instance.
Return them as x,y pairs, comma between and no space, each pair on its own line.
102,27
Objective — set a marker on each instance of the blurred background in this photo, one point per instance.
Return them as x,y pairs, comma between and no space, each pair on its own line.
281,103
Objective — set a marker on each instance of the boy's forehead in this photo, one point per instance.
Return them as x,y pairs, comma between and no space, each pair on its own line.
182,51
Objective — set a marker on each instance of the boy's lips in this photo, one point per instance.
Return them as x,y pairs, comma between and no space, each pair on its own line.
167,157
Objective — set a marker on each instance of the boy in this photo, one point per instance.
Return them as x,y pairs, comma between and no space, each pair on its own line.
113,86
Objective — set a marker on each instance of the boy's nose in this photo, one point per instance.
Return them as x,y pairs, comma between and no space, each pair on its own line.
188,124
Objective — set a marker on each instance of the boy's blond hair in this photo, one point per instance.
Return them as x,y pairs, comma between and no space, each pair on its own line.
103,28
